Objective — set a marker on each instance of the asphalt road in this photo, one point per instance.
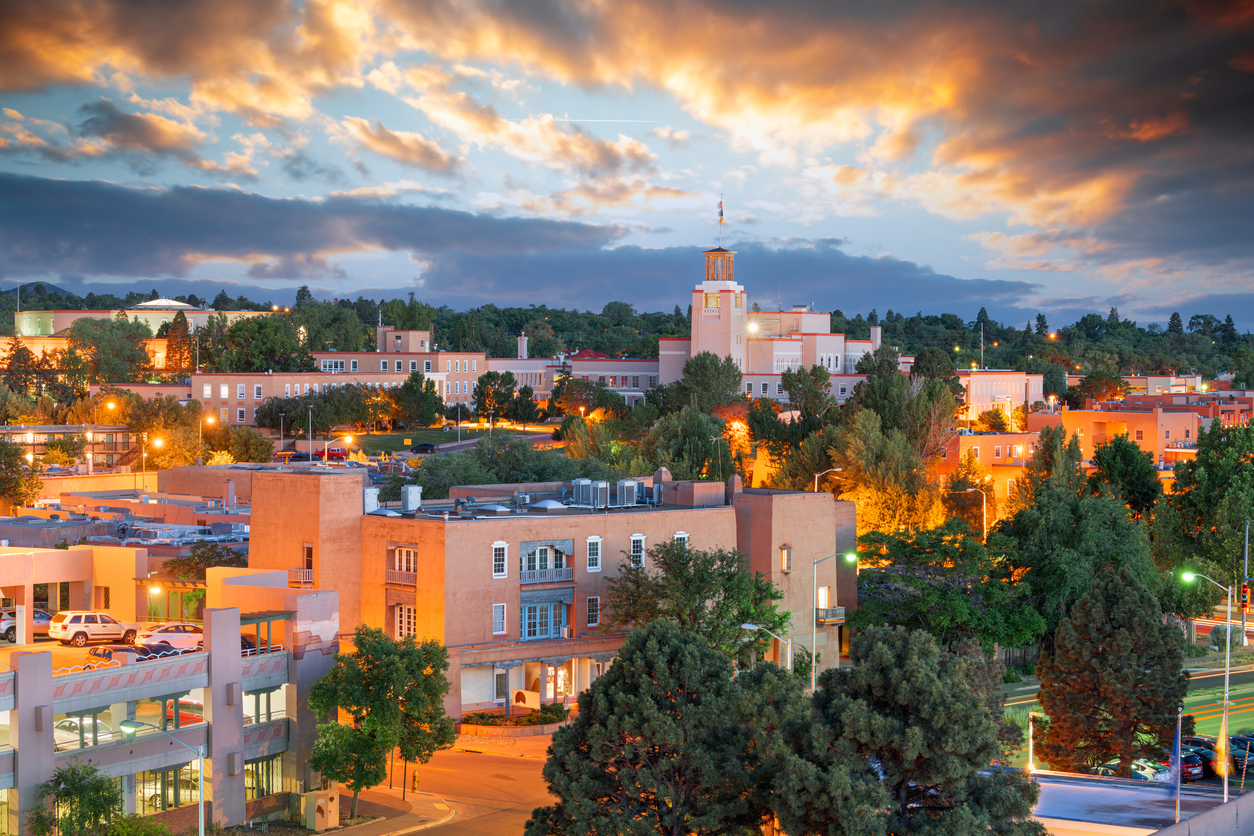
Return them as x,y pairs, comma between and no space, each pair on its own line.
492,794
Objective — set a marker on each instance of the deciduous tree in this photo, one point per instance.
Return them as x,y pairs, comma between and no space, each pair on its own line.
78,799
708,382
1112,679
113,348
418,401
1128,472
202,556
393,693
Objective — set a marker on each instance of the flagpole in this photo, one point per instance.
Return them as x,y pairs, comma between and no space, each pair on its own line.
1227,743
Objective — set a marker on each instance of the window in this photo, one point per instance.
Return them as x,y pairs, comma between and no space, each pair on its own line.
711,300
682,537
239,415
224,390
500,551
383,365
823,597
785,558
426,365
406,621
287,390
498,619
208,390
308,555
474,366
976,451
1186,435
652,381
766,388
1140,435
748,388
406,560
594,554
257,392
413,365
543,621
239,392
223,413
1168,437
779,388
102,598
254,414
502,684
635,381
1010,487
448,366
613,380
352,365
594,610
997,451
601,379
457,365
637,550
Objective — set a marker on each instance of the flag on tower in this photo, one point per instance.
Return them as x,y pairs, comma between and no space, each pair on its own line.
720,212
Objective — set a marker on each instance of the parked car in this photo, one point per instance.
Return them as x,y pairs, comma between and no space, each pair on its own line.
190,711
423,448
66,732
1142,770
1192,765
105,655
188,786
8,627
250,643
1238,753
78,627
182,634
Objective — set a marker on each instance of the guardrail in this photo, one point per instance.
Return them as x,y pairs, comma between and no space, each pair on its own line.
827,615
399,577
300,575
261,651
547,575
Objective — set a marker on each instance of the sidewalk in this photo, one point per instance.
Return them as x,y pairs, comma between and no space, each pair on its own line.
536,746
418,811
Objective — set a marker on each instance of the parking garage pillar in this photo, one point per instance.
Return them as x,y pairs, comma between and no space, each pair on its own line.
30,731
224,709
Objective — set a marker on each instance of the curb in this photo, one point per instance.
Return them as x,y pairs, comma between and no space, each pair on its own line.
492,752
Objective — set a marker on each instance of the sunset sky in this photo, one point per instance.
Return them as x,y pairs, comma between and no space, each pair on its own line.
907,155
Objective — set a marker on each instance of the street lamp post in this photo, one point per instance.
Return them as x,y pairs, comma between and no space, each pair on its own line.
1227,743
983,508
91,445
824,473
281,414
777,636
814,616
311,458
130,727
348,439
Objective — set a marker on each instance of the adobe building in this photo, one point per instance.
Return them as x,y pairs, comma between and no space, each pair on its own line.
512,578
1168,436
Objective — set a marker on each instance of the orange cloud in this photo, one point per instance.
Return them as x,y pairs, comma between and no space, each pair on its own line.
404,147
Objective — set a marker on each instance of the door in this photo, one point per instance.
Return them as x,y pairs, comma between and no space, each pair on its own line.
91,626
109,628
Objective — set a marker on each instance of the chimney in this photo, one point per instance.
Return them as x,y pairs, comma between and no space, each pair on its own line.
228,494
522,346
877,335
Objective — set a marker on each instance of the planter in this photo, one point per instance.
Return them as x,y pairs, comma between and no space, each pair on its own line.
511,731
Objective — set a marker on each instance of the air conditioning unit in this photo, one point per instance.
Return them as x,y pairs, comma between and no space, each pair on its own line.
370,500
626,492
601,494
524,499
411,497
582,490
657,494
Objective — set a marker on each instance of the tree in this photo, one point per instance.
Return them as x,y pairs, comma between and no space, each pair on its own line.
690,444
418,401
393,693
1128,472
179,351
248,445
710,593
912,710
993,420
667,742
524,409
21,368
202,556
67,450
968,493
1042,325
946,582
113,348
808,390
493,392
77,800
1175,325
1112,680
263,343
709,382
1102,386
19,480
938,364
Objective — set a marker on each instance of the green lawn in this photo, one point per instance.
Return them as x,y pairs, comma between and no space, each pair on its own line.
376,443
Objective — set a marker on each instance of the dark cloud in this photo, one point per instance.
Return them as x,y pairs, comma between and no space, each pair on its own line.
97,228
300,166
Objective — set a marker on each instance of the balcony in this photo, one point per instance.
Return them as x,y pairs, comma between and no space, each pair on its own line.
400,578
564,575
300,577
829,615
709,311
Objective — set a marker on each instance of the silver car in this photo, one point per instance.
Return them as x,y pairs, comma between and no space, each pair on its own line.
8,623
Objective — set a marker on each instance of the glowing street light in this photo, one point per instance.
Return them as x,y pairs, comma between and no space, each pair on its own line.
1189,577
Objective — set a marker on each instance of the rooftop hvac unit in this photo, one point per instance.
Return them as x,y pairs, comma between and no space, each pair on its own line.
411,497
369,500
657,493
524,499
601,494
582,491
626,492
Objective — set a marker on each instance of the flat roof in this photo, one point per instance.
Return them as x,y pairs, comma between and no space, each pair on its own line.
1115,801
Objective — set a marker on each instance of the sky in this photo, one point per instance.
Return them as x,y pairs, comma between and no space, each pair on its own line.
908,155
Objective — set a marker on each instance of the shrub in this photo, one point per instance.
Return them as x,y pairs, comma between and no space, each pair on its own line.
549,713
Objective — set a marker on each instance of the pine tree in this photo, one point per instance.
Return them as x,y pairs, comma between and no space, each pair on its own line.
912,710
1042,324
1113,679
667,742
179,352
1175,325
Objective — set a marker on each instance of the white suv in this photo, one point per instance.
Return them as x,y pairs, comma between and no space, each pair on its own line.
80,627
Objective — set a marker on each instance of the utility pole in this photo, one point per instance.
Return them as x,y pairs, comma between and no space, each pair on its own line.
1245,578
982,366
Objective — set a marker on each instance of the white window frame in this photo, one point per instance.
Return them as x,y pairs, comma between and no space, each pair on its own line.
413,365
766,389
594,560
208,390
256,391
504,559
224,390
239,415
499,625
823,598
240,389
405,559
406,621
976,450
426,366
287,390
682,537
785,558
997,451
474,366
632,555
593,611
352,365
